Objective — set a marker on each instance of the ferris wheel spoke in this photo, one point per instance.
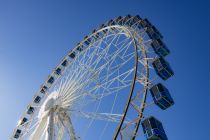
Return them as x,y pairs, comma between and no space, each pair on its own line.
40,130
101,56
71,98
96,96
113,68
73,91
81,75
63,86
122,57
135,26
97,116
29,130
113,33
108,91
116,53
116,40
87,81
124,47
122,42
31,125
148,42
121,78
96,51
112,71
77,70
69,84
91,55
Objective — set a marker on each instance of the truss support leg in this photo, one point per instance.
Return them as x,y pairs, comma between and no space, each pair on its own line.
71,128
67,123
51,126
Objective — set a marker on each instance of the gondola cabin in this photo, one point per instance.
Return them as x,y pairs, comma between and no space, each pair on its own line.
30,110
73,54
17,133
145,23
153,129
51,80
23,121
153,34
162,68
160,48
161,96
58,71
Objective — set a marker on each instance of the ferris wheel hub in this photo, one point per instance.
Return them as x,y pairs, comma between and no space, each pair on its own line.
49,104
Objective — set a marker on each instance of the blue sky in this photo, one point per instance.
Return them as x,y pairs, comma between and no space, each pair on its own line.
36,35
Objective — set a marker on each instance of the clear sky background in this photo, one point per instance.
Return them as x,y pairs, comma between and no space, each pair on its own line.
36,35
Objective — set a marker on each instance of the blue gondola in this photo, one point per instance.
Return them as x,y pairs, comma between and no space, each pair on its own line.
79,48
160,48
24,120
111,22
125,20
64,63
161,96
145,23
137,17
43,90
58,71
132,20
37,99
72,54
157,31
152,33
118,18
153,129
96,35
129,16
17,133
30,110
162,68
87,40
104,30
51,80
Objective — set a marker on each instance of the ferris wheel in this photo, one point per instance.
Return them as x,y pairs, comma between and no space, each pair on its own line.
104,88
